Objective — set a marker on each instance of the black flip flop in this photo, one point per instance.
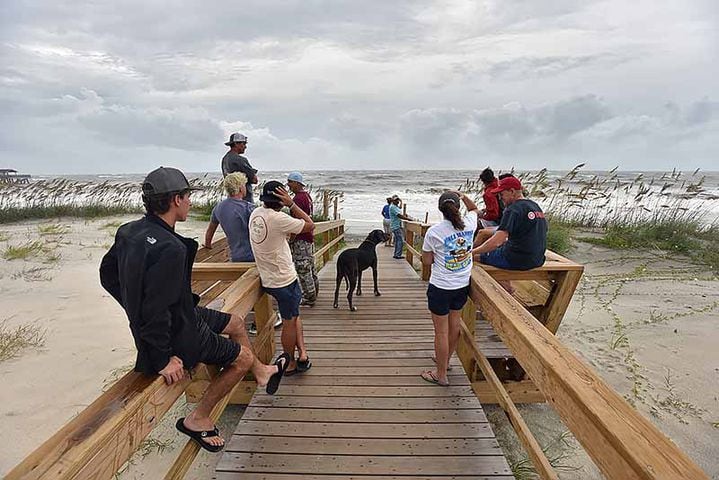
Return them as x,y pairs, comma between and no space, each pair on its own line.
198,436
274,383
303,365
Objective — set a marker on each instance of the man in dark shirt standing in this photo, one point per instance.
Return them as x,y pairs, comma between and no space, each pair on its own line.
303,244
148,271
521,238
233,161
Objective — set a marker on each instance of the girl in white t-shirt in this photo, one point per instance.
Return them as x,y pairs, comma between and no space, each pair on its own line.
448,249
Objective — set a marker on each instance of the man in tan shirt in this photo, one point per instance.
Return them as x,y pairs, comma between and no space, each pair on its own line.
269,230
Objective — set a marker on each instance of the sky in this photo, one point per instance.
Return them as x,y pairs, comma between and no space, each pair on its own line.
126,86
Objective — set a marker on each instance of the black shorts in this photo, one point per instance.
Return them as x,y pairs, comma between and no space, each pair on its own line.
441,301
214,348
288,299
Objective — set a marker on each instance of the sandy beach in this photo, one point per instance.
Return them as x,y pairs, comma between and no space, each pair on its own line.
646,322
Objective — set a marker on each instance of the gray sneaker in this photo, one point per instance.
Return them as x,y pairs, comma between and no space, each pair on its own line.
278,320
253,329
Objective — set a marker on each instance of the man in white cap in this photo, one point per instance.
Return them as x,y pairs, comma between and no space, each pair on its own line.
303,245
233,161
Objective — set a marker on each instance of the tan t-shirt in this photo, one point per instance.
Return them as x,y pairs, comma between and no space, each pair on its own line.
269,230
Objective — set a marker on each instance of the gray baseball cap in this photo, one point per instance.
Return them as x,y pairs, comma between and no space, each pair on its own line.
236,138
450,197
165,180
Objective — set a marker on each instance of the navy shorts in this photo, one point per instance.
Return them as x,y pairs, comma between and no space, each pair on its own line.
496,258
288,299
214,348
441,301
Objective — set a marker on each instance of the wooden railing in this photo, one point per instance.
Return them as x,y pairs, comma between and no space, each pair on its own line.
619,439
414,233
102,438
330,234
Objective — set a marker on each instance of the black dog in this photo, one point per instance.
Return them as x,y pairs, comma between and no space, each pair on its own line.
353,261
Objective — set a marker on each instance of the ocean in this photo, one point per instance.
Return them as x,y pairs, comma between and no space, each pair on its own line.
364,192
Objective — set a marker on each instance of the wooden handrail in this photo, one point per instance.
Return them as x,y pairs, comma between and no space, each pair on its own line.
328,225
319,253
534,450
619,439
96,443
220,270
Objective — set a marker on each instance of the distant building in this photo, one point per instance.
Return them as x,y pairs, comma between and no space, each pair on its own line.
8,175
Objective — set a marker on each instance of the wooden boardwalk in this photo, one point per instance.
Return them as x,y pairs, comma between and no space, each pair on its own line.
363,411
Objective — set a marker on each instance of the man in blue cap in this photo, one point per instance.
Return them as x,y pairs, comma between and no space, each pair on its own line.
303,245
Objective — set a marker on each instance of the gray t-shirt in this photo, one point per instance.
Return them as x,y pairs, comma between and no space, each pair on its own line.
234,162
234,217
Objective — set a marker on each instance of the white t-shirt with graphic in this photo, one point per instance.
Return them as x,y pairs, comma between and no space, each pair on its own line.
452,251
269,230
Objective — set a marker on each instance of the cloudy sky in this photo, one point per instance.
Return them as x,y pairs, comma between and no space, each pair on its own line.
124,86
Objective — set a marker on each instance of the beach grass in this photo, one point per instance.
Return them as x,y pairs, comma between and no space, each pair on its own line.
668,211
18,214
700,244
22,252
17,339
557,451
559,236
52,229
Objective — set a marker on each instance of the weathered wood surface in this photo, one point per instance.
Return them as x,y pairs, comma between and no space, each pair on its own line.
619,439
363,410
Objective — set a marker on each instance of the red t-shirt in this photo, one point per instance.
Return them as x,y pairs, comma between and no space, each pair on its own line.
491,204
304,201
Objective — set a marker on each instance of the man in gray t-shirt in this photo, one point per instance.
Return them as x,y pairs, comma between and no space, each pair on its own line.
233,214
233,161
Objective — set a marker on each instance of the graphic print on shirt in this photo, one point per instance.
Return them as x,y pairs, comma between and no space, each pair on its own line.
458,248
258,230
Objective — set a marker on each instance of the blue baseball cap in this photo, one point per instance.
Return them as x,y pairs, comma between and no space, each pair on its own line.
295,177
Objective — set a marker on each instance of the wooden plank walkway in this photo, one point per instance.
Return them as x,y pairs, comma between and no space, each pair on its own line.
362,411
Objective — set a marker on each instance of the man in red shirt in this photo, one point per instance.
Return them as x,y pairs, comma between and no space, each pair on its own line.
303,244
491,214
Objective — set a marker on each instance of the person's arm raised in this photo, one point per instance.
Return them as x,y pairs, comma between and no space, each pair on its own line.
287,201
468,202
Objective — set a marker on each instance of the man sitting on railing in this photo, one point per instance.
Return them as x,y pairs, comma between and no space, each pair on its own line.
269,229
521,237
148,271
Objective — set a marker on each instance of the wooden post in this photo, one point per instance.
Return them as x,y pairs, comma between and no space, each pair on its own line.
469,318
334,216
404,208
559,299
326,240
426,269
264,313
325,205
426,217
410,242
